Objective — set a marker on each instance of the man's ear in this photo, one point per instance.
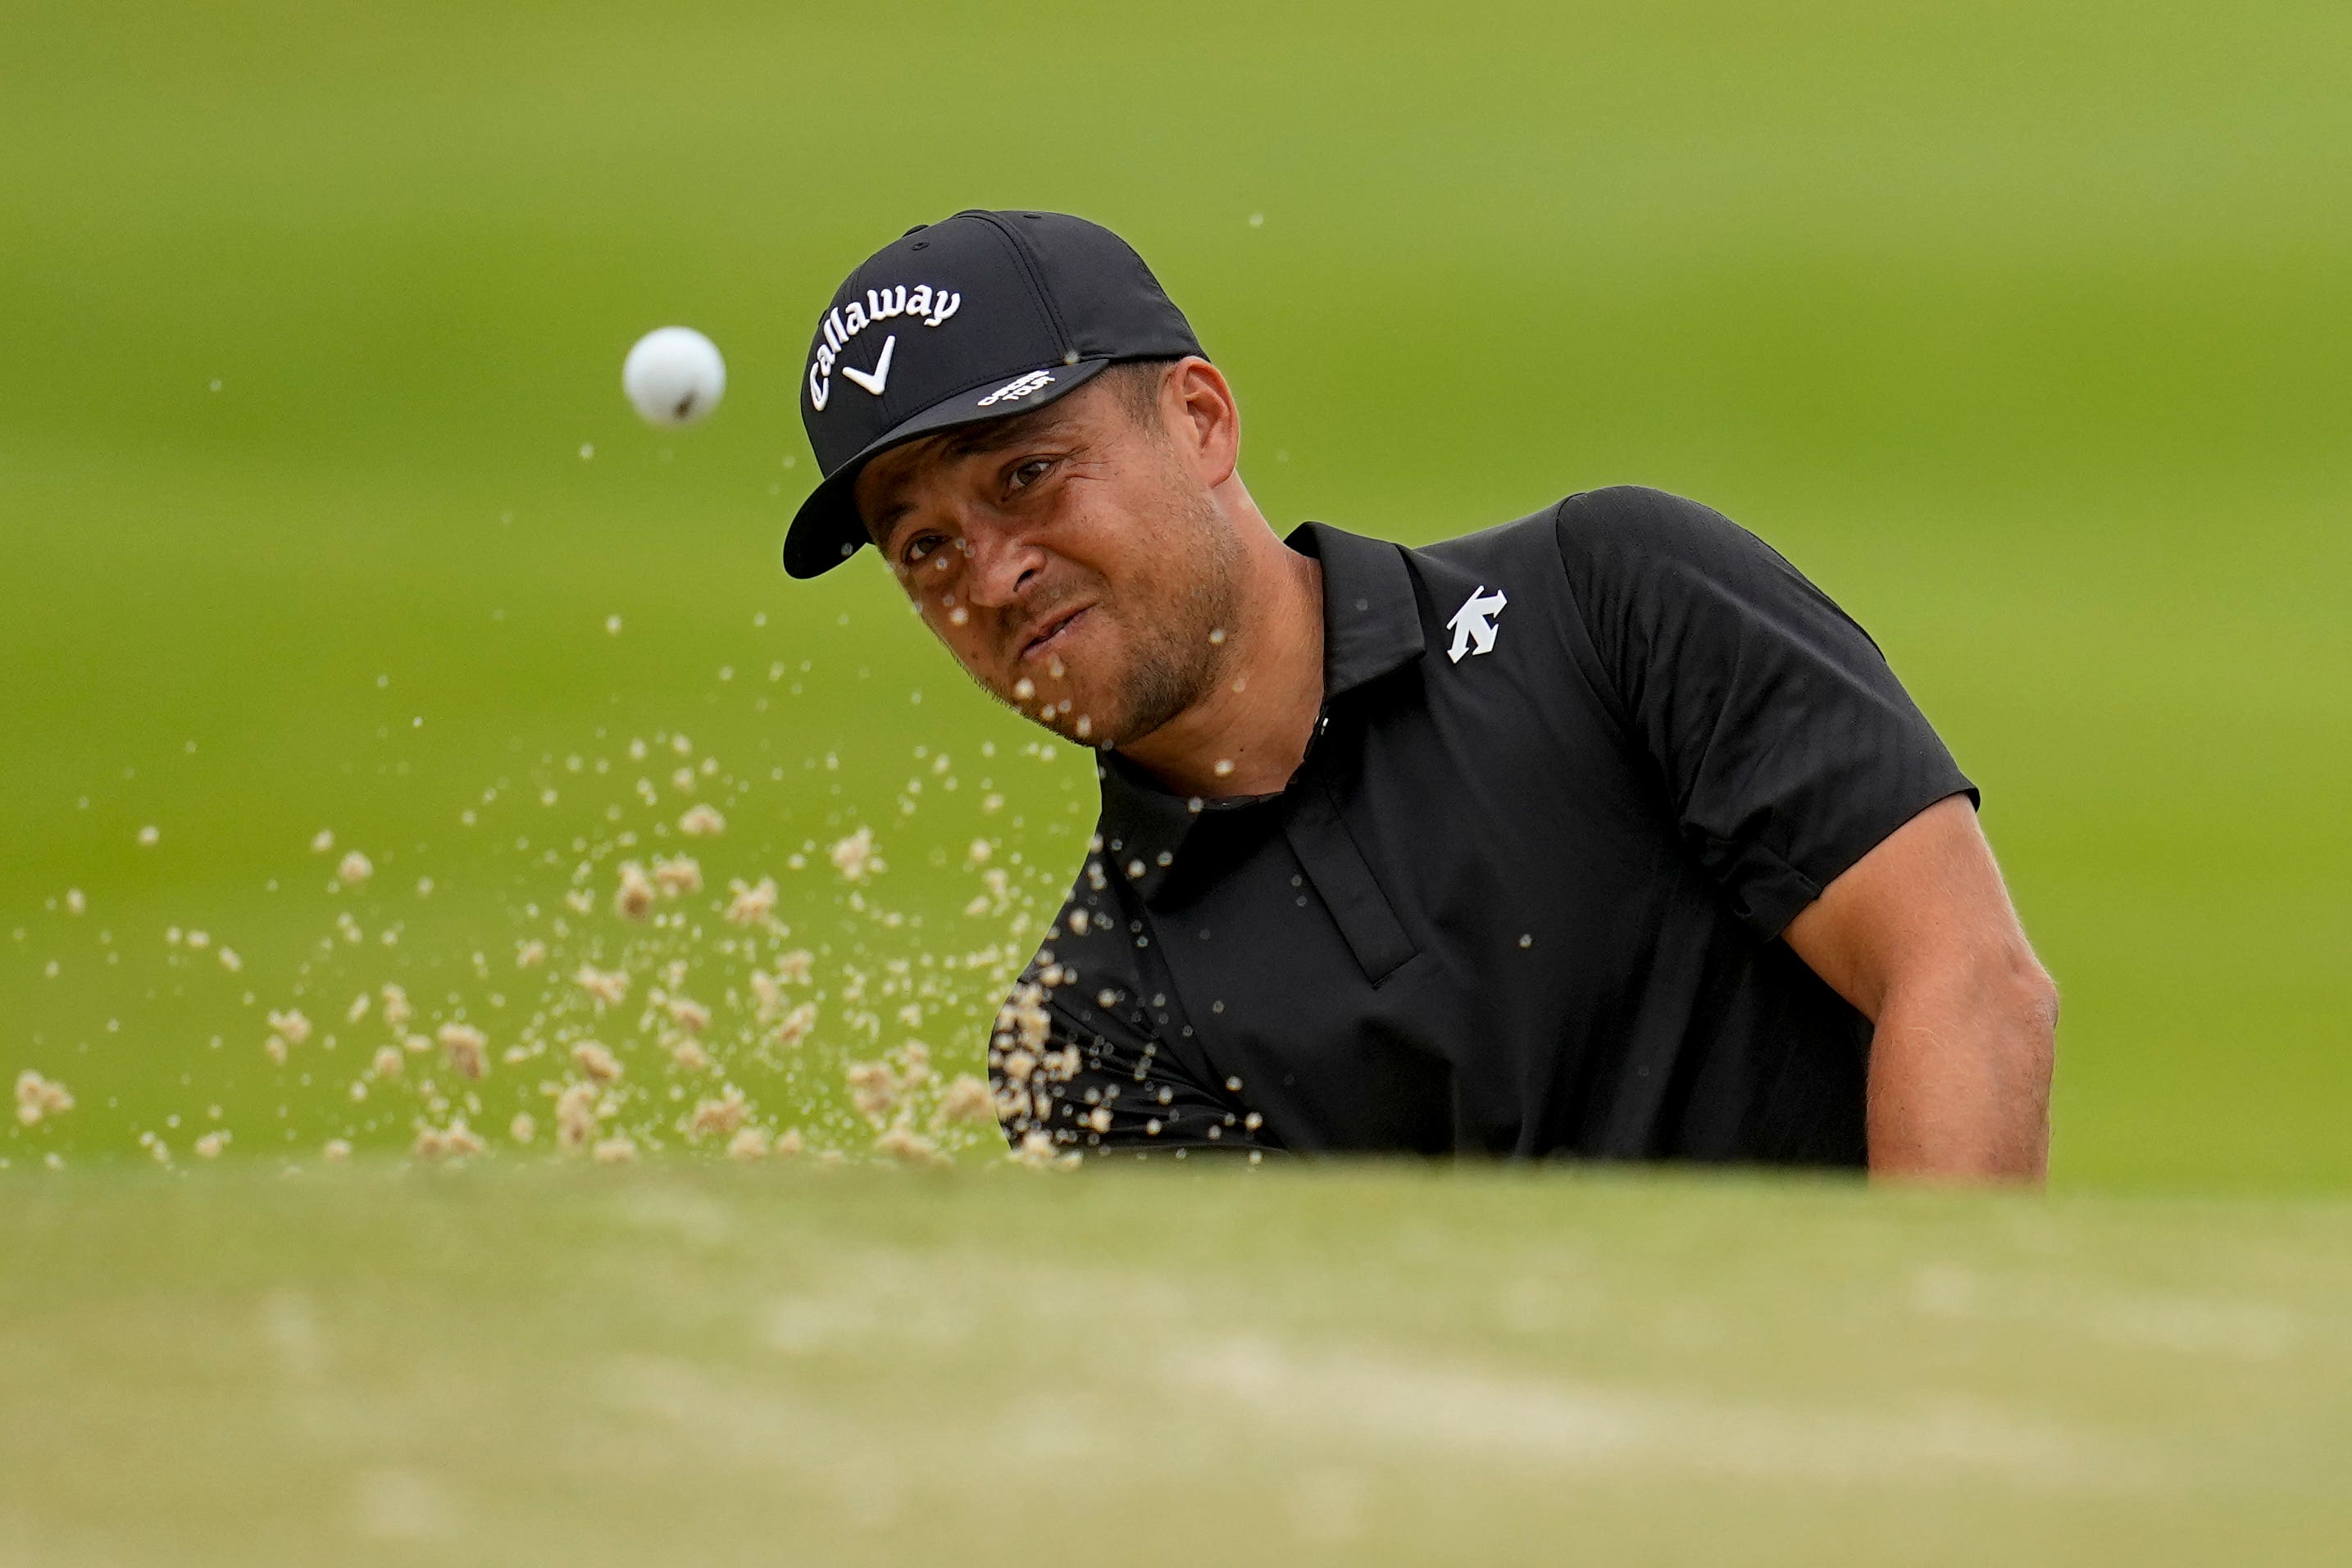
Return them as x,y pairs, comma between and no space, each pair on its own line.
1198,407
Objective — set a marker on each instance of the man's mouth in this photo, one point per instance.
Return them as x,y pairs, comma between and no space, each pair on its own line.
1052,633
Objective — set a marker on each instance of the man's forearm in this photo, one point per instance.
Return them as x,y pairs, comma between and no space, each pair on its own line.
1959,1073
1920,936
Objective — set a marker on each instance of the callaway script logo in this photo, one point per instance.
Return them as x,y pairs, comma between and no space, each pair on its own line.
845,321
1473,624
1011,391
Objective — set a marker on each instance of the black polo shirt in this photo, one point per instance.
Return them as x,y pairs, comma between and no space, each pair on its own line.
1572,777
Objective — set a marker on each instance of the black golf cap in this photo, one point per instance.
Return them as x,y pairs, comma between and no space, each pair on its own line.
974,317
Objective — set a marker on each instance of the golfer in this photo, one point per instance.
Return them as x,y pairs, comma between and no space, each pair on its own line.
1602,833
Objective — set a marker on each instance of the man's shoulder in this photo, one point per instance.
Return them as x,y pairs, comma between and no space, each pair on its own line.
1633,529
1612,526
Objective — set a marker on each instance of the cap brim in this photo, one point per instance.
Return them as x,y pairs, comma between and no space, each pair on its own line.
827,530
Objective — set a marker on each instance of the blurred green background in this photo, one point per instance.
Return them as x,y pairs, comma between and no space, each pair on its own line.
2023,329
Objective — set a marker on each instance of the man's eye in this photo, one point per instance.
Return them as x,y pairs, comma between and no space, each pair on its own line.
921,545
1029,473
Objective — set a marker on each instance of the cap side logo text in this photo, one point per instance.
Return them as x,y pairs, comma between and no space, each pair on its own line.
1015,391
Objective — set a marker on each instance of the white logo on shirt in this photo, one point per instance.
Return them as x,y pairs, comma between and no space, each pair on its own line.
1015,391
1473,624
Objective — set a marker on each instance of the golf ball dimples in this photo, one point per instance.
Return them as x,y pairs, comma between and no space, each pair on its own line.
674,376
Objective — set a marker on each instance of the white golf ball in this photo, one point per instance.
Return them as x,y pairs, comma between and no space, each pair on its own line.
674,376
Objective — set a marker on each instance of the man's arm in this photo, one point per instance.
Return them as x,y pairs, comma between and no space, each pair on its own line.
1920,935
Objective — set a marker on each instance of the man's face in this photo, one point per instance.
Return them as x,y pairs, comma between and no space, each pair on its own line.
1072,559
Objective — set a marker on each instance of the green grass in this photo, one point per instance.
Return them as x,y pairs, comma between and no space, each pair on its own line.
2022,330
389,1363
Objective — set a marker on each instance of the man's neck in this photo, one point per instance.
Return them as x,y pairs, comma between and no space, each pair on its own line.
1248,734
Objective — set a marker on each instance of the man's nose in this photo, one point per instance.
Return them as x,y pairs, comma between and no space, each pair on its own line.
1001,564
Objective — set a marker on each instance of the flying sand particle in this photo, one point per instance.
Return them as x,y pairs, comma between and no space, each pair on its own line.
967,1100
796,1024
37,1097
468,1049
752,904
599,1063
722,1116
609,987
873,1087
853,856
577,1112
910,1148
633,899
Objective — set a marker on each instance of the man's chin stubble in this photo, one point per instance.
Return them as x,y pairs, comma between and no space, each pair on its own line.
1151,699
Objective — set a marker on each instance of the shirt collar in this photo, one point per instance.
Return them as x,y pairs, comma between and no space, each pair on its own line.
1371,626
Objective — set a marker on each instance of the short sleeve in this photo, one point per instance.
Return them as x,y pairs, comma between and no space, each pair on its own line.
1783,741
